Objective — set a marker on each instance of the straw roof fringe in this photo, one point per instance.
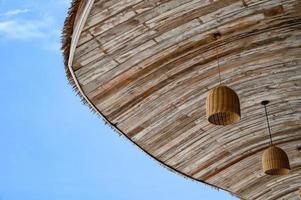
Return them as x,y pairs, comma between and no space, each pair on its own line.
66,44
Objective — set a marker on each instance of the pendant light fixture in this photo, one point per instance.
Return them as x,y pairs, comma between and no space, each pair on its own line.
222,104
274,159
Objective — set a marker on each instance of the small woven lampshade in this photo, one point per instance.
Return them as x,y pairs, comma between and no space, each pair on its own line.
300,192
222,106
275,161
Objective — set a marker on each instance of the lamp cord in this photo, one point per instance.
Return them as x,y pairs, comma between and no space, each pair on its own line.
266,114
219,70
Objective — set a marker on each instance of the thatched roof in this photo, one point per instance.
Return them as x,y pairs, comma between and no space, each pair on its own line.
146,67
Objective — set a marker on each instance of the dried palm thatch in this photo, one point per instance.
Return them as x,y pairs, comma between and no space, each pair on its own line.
222,106
67,32
275,161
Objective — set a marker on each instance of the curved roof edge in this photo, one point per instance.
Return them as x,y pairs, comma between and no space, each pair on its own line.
67,32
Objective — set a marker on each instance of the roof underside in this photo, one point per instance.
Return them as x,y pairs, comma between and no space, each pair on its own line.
147,66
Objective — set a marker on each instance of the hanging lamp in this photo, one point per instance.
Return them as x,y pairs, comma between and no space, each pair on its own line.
274,159
222,104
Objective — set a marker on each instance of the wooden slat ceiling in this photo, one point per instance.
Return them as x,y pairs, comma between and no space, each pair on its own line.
147,66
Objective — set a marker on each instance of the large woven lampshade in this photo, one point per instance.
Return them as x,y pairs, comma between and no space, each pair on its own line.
275,161
222,106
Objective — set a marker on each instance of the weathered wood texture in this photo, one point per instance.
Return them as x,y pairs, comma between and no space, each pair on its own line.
148,65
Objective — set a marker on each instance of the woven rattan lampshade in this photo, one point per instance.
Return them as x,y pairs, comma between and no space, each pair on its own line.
222,106
275,161
300,192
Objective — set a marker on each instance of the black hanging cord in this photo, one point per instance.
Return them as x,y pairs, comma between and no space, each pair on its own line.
216,36
219,70
266,114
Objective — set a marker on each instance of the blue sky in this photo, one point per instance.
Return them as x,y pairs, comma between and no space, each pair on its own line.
53,147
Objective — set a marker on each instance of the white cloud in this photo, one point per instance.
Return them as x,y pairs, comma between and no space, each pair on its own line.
15,12
13,29
39,24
